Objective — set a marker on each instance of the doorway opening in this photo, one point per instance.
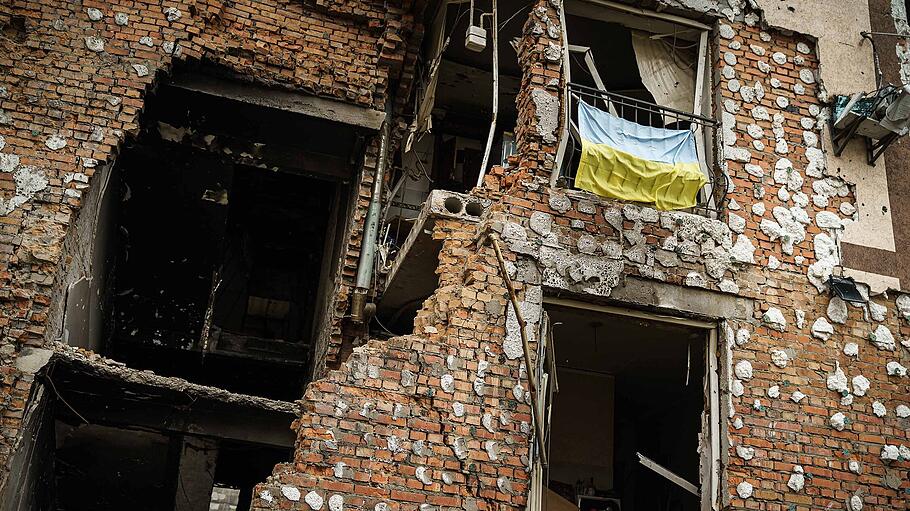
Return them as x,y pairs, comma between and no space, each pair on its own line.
629,426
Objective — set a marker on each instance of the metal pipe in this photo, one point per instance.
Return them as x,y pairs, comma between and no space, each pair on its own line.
526,348
371,226
489,146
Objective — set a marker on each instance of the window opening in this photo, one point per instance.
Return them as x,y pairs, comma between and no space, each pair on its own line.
225,240
656,78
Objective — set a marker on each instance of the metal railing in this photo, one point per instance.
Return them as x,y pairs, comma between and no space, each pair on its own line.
712,195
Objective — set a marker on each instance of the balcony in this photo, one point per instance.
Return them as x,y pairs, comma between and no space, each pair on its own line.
711,196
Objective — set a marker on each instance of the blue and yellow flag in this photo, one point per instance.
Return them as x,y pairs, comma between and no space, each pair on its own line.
628,161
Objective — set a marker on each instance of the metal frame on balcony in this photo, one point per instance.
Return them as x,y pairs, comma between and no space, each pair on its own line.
712,195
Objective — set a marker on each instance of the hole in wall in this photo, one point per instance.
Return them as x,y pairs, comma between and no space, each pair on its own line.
474,208
453,205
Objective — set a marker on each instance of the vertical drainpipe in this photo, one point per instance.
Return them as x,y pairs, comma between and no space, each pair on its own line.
371,226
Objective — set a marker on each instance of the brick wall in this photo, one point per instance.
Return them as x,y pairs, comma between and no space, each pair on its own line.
73,76
787,364
440,418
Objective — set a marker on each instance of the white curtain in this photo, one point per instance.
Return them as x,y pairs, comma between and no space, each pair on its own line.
667,73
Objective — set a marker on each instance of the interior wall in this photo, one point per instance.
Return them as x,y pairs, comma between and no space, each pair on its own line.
581,444
81,305
100,468
30,485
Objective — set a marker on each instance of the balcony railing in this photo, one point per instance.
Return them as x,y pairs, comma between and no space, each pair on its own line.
712,195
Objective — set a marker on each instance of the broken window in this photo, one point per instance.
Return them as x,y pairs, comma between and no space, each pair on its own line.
649,71
629,427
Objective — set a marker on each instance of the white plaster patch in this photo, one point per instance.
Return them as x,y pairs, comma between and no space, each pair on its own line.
774,318
728,286
746,453
55,142
695,279
882,338
422,474
737,223
779,58
851,349
743,251
806,75
877,311
797,479
760,113
879,409
736,388
336,502
837,310
742,336
458,409
780,358
758,209
890,453
856,503
447,382
546,108
774,391
293,494
828,220
754,170
94,43
895,369
747,93
797,396
121,19
172,14
838,421
837,381
744,490
743,370
141,70
902,411
29,181
854,466
861,385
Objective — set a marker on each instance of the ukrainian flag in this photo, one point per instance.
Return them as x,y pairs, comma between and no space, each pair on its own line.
628,161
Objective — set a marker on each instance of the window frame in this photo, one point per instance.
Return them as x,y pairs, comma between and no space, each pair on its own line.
712,416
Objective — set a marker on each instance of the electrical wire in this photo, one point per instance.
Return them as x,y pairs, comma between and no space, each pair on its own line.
393,334
506,22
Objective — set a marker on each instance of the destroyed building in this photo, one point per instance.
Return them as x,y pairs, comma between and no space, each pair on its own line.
365,256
